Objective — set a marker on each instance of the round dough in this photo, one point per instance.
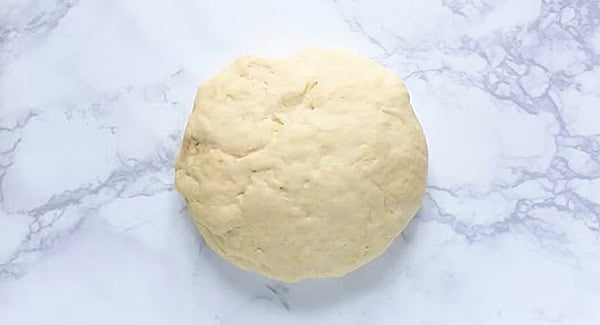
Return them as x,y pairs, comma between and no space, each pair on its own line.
306,166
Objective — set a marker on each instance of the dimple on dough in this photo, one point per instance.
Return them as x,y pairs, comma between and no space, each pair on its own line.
306,166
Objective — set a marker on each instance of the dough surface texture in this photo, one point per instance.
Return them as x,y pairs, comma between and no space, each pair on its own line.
305,166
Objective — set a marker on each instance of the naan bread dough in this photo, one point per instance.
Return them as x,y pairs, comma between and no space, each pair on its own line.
306,166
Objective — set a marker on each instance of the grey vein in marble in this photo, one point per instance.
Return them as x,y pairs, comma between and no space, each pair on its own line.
94,96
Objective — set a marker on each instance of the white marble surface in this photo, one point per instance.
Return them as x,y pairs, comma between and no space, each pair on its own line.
94,96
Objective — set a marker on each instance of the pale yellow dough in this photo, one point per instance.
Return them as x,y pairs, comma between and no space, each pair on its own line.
307,166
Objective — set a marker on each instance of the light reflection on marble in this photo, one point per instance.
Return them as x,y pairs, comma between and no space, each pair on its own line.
94,96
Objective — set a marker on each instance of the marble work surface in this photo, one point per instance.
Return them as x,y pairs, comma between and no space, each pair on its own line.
94,96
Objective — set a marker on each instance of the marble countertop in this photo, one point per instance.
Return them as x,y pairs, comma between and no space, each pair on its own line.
94,96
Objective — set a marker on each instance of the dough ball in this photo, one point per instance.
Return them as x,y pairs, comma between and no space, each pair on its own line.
306,166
